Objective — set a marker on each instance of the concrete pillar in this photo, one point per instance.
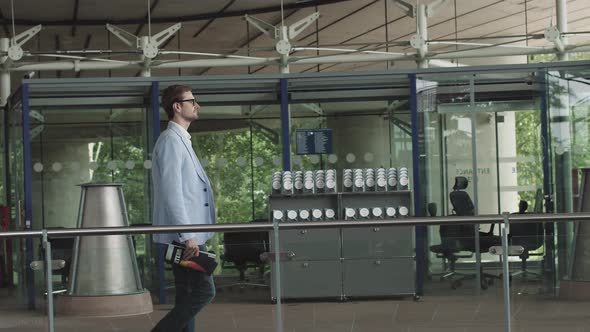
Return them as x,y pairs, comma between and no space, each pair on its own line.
65,166
4,73
562,26
364,140
459,159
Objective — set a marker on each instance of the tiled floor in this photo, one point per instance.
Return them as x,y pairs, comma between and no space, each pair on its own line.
442,309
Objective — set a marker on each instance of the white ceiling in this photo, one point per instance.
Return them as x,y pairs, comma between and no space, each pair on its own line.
359,24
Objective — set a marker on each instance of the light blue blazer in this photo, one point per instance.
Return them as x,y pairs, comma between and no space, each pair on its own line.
181,190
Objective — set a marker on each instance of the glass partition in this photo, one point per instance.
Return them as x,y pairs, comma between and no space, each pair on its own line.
371,157
17,248
568,95
487,128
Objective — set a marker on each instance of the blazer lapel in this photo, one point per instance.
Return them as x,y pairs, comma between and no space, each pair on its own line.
191,152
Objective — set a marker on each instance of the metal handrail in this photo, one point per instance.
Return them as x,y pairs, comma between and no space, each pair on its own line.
256,227
504,220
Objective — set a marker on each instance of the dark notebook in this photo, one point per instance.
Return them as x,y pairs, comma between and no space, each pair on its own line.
204,262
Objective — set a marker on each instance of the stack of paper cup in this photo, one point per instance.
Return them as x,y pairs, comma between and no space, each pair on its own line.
347,181
291,215
330,181
317,214
404,179
377,213
390,212
278,216
308,182
298,184
349,214
329,214
392,178
364,213
358,180
276,183
287,183
320,181
303,215
403,211
381,184
369,179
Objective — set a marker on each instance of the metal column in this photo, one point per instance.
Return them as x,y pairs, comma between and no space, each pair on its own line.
418,210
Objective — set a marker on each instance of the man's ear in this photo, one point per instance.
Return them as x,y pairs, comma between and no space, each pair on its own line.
176,108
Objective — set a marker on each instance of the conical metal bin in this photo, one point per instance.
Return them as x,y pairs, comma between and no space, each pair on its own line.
104,277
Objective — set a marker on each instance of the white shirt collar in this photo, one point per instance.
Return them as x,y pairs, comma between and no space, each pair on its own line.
184,132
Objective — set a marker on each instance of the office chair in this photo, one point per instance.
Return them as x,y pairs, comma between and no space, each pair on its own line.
61,249
529,235
242,250
449,251
463,206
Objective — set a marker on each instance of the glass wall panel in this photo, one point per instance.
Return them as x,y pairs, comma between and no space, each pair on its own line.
374,265
449,128
568,96
239,147
15,200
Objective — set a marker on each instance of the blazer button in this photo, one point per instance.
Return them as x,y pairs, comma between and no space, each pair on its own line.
205,189
206,204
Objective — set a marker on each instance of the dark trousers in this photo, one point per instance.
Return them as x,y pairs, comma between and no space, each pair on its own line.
194,290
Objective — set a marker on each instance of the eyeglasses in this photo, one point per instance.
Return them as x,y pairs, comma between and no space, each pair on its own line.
192,101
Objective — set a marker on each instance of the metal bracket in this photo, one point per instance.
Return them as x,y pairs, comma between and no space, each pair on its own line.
24,36
159,38
282,34
314,108
264,27
553,35
297,27
116,113
127,38
395,104
433,7
15,51
36,131
36,115
408,9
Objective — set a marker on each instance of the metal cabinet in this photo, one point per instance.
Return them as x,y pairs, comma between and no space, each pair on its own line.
310,279
340,263
378,276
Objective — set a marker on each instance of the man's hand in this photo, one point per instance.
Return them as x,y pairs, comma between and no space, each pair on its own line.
192,249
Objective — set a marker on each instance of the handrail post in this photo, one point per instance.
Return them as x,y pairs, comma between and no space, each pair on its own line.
505,271
49,275
275,226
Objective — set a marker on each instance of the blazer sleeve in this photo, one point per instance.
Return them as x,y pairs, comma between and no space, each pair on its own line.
170,159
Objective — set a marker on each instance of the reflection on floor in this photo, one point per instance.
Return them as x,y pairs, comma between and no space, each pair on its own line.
249,309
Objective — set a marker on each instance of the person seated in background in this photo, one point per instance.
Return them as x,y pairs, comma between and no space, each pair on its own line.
522,206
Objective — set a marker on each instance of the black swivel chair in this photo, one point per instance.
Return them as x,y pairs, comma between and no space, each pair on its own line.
449,250
529,235
463,206
242,250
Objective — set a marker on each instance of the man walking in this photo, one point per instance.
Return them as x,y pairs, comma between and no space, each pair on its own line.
182,196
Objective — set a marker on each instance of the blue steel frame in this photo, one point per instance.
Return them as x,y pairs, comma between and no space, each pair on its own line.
30,279
285,128
155,106
420,230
